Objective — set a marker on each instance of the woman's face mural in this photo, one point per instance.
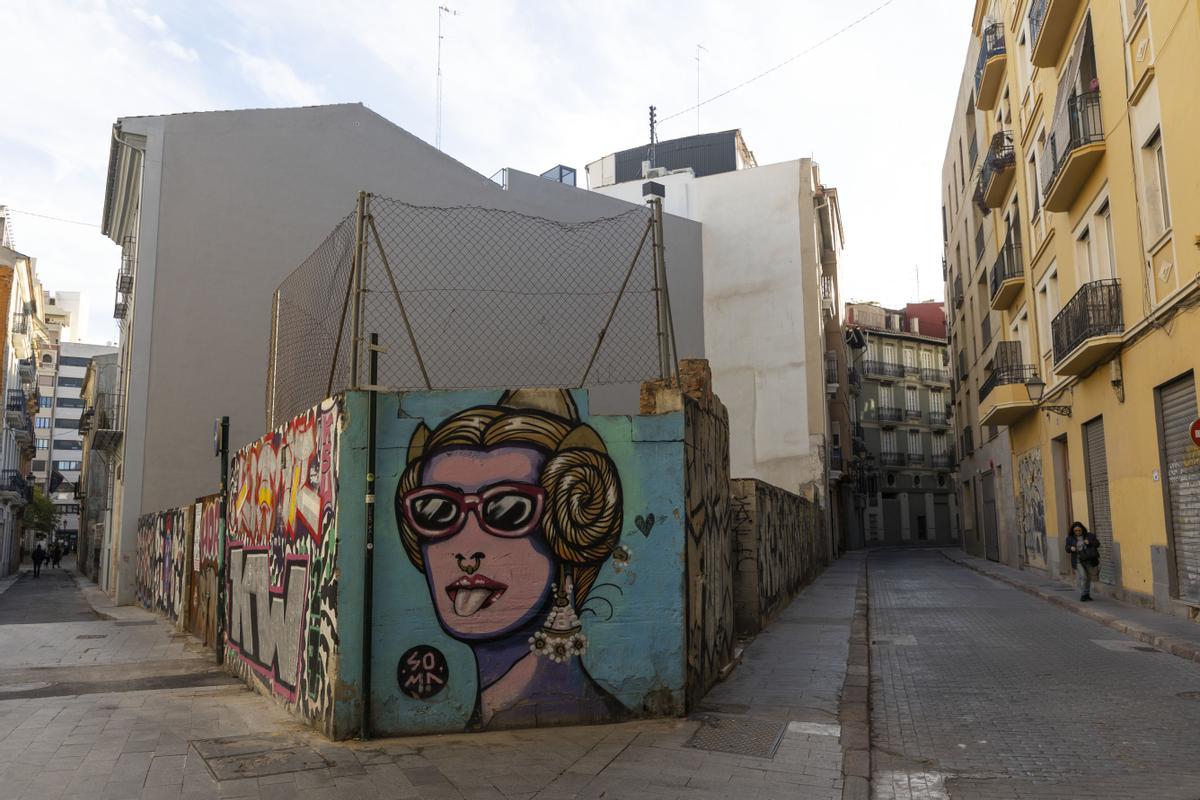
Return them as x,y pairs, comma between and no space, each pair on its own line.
510,511
478,514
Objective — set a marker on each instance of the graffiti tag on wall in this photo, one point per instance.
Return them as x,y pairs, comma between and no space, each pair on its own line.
1032,507
281,550
162,560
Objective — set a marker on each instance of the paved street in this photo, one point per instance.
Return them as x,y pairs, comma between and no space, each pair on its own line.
982,691
111,703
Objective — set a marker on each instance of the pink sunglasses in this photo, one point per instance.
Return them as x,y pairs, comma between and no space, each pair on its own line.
508,510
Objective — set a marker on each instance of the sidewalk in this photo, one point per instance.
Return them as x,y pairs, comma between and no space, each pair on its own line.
1177,636
83,715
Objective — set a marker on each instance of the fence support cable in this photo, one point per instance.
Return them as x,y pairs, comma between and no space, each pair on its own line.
412,339
620,293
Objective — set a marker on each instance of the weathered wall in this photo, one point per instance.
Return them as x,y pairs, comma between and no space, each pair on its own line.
202,609
780,547
281,547
462,635
1031,506
164,542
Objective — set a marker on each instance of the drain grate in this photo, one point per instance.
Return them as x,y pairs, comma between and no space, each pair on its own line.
92,636
745,737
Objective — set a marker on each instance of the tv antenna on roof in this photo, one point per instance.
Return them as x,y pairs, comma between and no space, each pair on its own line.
653,133
442,11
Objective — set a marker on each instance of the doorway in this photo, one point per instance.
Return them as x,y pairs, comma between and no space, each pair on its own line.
1061,458
1096,462
991,537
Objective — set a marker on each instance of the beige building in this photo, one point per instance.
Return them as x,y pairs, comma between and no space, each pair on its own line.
1076,146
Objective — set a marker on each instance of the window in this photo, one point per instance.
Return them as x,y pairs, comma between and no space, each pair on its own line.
938,442
43,444
66,508
66,466
45,402
912,400
886,398
39,466
1047,306
914,442
1154,167
1110,250
70,382
68,444
70,402
73,361
64,423
937,402
910,357
889,354
926,359
42,422
1020,333
887,441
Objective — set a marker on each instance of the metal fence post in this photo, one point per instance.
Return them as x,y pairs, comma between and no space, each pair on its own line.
222,448
369,556
356,319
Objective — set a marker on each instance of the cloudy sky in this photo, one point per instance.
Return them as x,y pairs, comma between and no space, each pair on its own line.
527,84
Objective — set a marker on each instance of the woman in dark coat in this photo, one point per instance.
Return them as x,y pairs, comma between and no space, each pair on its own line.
1084,548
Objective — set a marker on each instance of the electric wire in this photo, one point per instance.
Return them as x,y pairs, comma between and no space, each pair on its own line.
784,63
55,219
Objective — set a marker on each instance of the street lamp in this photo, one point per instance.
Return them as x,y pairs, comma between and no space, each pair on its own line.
1037,389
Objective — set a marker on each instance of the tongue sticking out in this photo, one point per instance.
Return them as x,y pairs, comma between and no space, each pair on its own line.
468,601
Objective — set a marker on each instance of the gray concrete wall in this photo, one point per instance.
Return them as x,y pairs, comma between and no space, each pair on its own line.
232,202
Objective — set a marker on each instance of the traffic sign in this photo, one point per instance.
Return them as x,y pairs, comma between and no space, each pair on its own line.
1194,433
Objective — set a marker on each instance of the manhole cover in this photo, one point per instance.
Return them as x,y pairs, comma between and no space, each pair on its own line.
1189,696
744,737
258,756
92,636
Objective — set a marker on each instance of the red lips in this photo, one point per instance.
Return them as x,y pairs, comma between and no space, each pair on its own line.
478,592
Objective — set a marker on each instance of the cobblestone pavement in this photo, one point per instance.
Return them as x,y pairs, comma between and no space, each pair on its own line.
120,708
980,690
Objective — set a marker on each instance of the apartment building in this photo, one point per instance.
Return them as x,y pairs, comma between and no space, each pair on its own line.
58,463
101,431
270,185
20,338
988,505
905,443
1084,117
771,236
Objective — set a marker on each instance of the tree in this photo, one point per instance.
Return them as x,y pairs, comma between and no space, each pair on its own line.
40,514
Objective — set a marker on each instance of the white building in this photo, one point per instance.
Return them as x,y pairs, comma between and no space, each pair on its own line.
59,445
765,231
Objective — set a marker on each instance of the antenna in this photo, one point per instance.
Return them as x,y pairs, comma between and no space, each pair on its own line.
917,272
653,133
442,10
699,47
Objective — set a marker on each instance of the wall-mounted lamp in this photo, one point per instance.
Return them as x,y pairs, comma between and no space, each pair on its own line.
1037,389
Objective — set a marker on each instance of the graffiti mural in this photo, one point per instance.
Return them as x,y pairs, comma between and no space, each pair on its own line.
778,535
1032,507
711,543
161,576
202,610
281,584
510,511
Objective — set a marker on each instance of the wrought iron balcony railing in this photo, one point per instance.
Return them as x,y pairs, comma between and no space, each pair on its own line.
1095,310
891,458
888,414
992,45
1008,265
943,461
884,369
1084,126
1002,376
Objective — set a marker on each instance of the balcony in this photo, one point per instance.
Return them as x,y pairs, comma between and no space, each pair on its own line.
105,425
912,414
890,458
828,296
1007,278
1074,152
999,167
1003,398
944,461
973,152
883,369
985,330
989,72
27,370
855,381
124,282
916,459
931,375
939,419
20,324
831,373
888,414
17,408
958,291
13,487
1049,23
835,459
968,439
1089,327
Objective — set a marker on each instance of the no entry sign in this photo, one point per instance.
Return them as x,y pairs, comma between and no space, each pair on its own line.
1194,433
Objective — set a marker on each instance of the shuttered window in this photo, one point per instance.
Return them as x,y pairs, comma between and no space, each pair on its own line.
1181,458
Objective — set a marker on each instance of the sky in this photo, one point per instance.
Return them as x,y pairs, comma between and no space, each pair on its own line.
526,84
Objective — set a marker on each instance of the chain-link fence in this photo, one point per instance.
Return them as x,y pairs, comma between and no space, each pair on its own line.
467,297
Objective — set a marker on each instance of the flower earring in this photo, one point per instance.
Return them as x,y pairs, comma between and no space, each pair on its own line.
561,636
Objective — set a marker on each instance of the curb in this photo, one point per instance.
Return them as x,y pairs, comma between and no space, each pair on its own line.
1176,647
854,709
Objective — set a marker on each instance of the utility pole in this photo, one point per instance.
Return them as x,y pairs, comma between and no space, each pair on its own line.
699,48
442,11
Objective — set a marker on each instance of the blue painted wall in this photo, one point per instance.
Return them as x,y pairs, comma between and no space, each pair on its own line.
633,617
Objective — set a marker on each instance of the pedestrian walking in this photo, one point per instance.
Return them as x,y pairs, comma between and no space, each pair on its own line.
56,554
39,555
1084,548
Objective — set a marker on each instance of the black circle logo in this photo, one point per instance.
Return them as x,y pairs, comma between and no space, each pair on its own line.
422,672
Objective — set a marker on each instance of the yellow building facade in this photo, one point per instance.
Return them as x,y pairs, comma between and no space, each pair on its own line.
1082,271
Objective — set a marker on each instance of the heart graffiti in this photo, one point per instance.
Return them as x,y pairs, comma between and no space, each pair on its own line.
644,524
